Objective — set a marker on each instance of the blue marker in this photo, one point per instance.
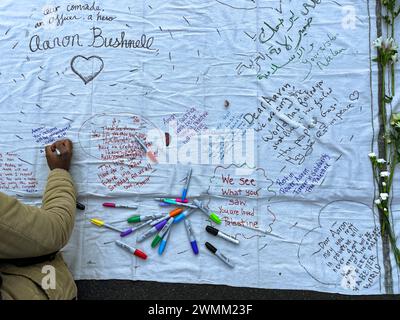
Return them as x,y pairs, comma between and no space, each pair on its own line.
191,237
163,243
185,190
183,215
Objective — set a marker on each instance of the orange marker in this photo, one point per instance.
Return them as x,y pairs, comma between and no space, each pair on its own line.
175,212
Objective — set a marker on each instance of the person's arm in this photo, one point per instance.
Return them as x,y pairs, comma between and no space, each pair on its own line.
27,231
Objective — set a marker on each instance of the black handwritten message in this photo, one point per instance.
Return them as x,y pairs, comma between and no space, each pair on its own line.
56,17
15,174
351,254
293,119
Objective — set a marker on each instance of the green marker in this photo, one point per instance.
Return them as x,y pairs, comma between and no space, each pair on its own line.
139,218
162,233
211,215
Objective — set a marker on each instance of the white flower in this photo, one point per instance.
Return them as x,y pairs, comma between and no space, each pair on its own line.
372,155
392,44
384,209
384,174
384,196
383,184
395,58
389,44
377,43
378,202
381,161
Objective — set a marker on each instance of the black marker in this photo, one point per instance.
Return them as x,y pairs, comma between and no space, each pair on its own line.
218,233
80,206
219,254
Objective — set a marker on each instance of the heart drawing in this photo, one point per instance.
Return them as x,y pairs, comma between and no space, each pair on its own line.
87,68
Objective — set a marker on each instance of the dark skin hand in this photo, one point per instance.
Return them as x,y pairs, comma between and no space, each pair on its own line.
62,161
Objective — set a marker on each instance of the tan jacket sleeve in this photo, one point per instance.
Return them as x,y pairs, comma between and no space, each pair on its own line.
27,231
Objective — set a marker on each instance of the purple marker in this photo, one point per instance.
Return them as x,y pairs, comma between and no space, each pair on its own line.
191,237
152,231
154,222
130,230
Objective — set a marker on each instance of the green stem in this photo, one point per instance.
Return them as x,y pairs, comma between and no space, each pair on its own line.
393,69
383,113
393,164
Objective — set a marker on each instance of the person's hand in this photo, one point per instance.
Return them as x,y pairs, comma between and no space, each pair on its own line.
59,154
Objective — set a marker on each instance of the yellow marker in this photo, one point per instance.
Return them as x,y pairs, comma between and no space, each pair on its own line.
101,223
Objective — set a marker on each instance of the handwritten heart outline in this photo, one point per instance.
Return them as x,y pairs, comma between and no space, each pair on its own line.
88,78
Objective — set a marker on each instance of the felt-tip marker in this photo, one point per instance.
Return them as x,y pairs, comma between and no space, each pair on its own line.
218,253
131,230
162,233
101,223
185,189
211,215
163,243
192,239
139,218
175,202
114,205
183,215
223,235
151,231
132,250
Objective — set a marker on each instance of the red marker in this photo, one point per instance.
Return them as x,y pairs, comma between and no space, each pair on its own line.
132,250
114,205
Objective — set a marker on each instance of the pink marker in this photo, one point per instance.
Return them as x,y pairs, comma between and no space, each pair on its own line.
181,200
114,205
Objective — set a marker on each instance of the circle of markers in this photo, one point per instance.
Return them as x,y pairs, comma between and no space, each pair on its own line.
160,225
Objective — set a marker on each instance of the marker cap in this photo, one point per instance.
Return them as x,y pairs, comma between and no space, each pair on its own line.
134,219
156,240
80,206
194,247
211,247
126,232
97,222
215,218
212,230
109,204
162,247
175,212
140,254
